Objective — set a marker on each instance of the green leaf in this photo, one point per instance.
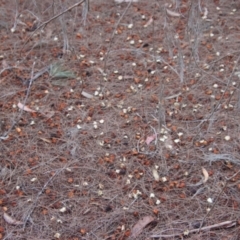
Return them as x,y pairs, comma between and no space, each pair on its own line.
57,71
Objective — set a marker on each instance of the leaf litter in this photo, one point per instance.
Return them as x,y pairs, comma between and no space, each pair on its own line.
11,220
25,108
205,174
140,225
150,138
108,153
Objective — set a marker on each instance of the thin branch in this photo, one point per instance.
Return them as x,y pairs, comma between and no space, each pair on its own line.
53,18
215,202
113,33
39,194
226,224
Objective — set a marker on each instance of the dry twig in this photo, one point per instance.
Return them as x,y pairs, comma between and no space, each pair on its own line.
226,224
53,18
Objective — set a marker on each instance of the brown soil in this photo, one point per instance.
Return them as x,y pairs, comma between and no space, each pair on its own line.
145,124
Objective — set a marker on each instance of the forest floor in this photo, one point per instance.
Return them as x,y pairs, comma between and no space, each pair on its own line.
120,121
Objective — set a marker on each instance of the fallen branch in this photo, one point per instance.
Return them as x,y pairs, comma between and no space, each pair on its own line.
38,196
218,196
226,224
53,18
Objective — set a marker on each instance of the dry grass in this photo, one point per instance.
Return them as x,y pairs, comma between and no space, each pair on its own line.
79,167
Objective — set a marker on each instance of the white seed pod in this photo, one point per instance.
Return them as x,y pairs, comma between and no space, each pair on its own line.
63,209
155,174
210,200
205,174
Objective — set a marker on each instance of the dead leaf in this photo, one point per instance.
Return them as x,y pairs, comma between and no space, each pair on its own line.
10,220
150,139
205,13
155,174
25,108
87,95
45,140
148,22
173,14
142,223
205,174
